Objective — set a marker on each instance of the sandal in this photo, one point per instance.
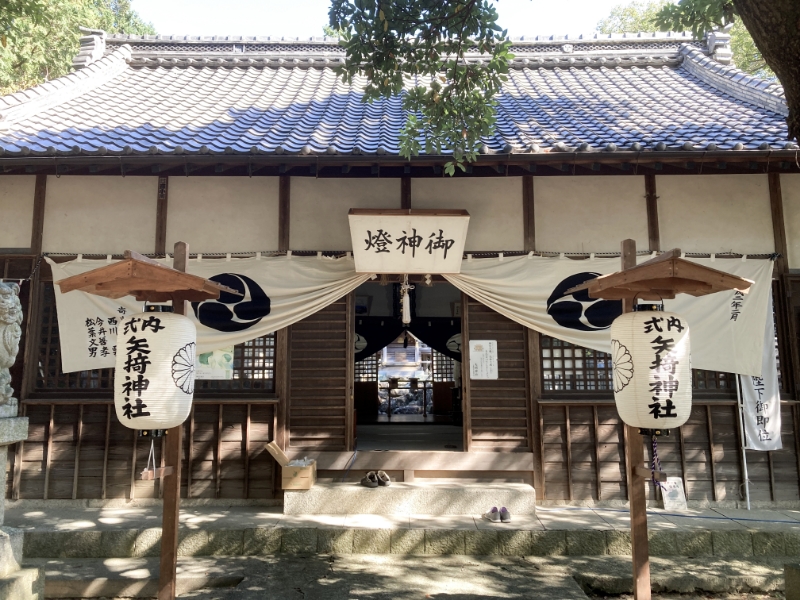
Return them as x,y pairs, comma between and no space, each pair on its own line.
370,480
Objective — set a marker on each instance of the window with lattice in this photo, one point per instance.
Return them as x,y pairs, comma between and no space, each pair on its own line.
568,367
443,366
253,362
367,369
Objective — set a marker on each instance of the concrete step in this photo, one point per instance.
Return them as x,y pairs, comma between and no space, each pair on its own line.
23,584
410,499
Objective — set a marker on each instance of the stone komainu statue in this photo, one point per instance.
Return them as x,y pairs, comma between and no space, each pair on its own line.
10,333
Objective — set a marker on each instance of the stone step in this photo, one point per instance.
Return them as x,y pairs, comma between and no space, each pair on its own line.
23,584
399,577
375,534
410,499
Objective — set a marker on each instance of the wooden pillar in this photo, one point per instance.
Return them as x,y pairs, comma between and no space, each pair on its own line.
31,348
282,366
651,198
634,450
161,216
172,482
405,192
466,404
284,190
528,217
778,226
534,342
349,403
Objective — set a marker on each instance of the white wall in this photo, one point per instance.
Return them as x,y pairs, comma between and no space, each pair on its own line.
16,210
100,215
223,214
790,190
494,205
589,213
715,213
318,213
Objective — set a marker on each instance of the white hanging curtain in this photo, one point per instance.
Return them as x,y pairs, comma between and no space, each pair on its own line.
277,291
727,327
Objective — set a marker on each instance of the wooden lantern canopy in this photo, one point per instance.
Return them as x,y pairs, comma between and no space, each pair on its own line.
146,280
660,278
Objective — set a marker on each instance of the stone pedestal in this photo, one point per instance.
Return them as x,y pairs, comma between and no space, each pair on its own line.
16,583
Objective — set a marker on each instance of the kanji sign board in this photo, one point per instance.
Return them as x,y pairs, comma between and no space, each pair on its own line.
408,241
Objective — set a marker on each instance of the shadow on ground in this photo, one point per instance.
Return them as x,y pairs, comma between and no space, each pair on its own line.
394,577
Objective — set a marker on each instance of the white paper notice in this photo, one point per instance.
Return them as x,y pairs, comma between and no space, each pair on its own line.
215,365
483,359
673,494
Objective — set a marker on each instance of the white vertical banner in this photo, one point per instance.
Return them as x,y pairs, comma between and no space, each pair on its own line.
761,397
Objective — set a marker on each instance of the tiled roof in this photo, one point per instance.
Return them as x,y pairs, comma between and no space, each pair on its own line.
167,95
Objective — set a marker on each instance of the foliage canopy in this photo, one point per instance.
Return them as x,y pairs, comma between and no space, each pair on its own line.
419,48
40,37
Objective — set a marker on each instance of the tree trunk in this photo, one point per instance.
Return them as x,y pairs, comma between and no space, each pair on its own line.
775,27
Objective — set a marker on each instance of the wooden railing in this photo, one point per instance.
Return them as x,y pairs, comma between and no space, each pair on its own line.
78,449
583,453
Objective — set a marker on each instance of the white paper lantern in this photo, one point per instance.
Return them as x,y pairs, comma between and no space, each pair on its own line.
652,369
154,374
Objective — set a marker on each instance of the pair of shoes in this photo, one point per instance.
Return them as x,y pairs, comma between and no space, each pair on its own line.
498,516
373,479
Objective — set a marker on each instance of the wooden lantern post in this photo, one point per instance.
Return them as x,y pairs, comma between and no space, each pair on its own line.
150,281
168,563
657,279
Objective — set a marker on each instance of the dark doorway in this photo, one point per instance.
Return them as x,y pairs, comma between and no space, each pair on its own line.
407,377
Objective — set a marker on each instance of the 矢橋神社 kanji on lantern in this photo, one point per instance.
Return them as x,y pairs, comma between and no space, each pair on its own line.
154,373
652,368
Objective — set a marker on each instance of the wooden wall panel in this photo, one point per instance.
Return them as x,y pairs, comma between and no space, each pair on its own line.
318,381
500,409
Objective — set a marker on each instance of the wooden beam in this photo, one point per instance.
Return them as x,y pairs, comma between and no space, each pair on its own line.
282,388
172,482
18,457
653,232
37,230
466,404
284,194
778,224
218,452
76,470
568,439
190,454
162,198
49,457
597,472
528,216
405,192
133,464
246,451
710,429
105,452
683,459
533,362
636,484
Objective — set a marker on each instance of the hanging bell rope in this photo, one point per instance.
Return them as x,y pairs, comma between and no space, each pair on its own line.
405,299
